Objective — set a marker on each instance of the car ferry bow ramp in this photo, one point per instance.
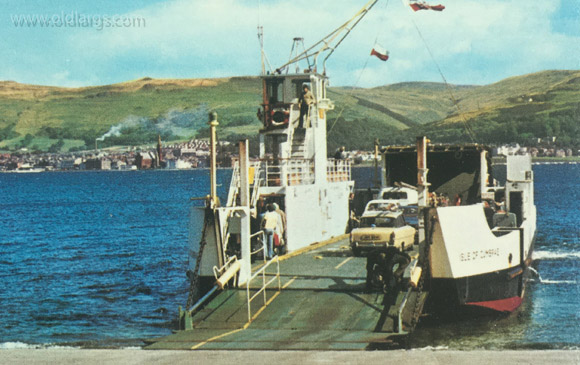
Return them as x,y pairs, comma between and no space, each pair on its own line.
318,301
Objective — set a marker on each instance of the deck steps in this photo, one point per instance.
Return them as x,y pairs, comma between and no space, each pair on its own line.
298,148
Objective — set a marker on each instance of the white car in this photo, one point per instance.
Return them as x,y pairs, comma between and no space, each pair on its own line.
379,205
381,229
399,195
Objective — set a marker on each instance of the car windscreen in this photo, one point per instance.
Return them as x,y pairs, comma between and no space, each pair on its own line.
377,222
398,195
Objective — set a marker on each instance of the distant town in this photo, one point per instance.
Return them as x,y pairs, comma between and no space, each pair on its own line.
186,155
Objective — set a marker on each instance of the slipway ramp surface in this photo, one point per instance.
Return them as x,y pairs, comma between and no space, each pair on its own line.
322,306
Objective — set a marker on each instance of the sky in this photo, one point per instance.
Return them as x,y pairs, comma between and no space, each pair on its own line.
101,42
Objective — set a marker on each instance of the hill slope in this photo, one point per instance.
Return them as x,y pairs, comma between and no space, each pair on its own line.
536,105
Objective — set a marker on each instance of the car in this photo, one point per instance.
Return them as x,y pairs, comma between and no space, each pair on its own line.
380,205
399,195
381,229
411,214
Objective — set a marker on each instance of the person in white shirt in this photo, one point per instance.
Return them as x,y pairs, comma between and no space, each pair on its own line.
269,224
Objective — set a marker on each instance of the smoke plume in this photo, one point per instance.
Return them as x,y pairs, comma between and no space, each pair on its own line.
177,123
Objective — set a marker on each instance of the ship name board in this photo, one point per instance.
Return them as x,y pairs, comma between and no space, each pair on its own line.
479,254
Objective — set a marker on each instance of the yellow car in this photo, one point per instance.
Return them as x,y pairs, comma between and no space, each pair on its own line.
381,229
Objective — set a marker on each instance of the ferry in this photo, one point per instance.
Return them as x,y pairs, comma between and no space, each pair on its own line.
481,242
309,291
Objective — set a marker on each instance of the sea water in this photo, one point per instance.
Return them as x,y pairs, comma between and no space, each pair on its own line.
98,259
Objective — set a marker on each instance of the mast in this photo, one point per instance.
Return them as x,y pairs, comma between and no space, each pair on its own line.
261,40
213,123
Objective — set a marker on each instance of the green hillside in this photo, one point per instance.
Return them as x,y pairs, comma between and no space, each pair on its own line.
79,116
517,109
132,113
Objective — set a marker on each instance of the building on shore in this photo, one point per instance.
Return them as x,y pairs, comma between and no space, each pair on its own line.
145,160
97,164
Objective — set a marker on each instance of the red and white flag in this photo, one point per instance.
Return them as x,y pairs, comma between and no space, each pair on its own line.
424,6
380,52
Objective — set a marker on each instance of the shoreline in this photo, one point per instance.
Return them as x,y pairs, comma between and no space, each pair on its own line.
535,162
424,356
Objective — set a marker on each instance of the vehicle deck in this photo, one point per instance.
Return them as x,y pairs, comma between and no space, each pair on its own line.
322,306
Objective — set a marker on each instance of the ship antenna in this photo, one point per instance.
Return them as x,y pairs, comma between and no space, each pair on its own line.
261,40
295,52
263,57
331,41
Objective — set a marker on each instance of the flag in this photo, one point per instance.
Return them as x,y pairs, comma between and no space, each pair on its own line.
380,52
424,6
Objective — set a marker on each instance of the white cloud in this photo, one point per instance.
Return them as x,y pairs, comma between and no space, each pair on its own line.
473,41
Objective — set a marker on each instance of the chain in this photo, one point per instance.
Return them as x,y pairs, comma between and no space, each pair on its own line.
195,277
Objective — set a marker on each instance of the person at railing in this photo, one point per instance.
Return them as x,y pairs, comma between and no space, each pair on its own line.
339,157
340,154
306,99
269,224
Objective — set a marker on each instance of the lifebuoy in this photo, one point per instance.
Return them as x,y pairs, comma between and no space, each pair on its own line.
280,116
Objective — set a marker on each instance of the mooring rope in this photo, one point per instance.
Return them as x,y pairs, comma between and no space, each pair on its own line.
361,72
468,128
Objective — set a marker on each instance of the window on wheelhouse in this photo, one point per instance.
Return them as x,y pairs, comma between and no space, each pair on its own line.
274,91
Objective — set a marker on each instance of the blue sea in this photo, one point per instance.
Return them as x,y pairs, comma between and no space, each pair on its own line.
98,259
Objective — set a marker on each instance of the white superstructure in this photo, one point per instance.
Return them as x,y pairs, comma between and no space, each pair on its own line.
292,171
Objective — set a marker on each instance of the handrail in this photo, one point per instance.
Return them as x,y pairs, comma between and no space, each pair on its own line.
258,181
338,170
258,250
232,194
255,234
265,284
294,171
217,286
217,272
263,248
234,184
400,312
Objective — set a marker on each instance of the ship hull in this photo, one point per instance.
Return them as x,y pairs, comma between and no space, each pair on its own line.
500,291
497,291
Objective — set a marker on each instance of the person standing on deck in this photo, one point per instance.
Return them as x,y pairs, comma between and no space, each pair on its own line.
340,153
281,230
306,99
269,224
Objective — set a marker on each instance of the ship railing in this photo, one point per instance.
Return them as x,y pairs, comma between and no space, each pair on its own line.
223,275
289,171
231,202
262,248
261,273
228,271
259,180
256,191
338,170
234,185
